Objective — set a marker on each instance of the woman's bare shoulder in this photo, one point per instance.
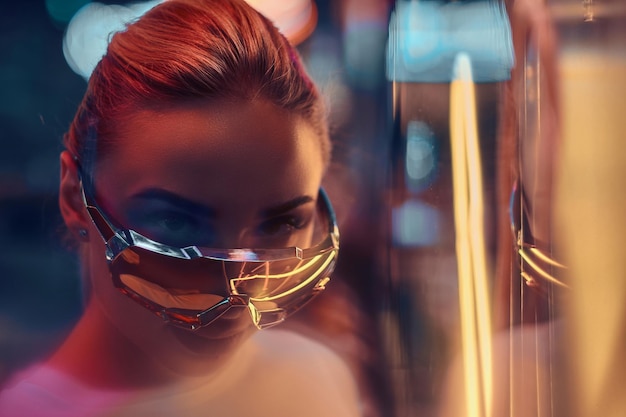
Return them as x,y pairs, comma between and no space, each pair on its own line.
314,379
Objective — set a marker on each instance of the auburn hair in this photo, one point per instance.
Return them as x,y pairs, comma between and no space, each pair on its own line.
187,49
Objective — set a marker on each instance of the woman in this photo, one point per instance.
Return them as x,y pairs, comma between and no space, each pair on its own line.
199,134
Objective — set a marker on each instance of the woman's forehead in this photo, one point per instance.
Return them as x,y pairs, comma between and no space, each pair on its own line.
217,148
217,127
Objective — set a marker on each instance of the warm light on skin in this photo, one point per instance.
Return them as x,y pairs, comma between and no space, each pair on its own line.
474,299
182,149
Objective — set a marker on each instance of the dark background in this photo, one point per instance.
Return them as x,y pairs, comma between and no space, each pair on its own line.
39,288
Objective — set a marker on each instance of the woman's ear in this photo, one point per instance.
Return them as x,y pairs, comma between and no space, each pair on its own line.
70,198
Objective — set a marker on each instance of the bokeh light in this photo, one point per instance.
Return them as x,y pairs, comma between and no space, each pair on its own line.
61,11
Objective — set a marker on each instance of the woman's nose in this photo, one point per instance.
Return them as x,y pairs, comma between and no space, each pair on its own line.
236,237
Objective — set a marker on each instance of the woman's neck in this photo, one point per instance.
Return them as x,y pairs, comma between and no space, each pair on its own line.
99,355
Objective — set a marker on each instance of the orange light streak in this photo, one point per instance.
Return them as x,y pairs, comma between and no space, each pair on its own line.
474,299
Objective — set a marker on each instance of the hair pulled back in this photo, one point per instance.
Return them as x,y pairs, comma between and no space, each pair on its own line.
186,49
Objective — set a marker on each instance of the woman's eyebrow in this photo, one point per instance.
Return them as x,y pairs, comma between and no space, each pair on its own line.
286,206
175,200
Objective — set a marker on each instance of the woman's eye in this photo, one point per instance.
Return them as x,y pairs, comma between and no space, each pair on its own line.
281,226
174,228
173,223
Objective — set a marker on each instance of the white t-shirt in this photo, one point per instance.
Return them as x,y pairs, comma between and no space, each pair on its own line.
277,373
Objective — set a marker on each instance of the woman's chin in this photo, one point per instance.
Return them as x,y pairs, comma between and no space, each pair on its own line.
180,351
207,342
198,352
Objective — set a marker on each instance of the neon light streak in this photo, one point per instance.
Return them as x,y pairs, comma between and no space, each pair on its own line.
330,256
474,299
541,271
542,256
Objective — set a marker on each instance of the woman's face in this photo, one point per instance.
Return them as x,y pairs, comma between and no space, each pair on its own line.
218,174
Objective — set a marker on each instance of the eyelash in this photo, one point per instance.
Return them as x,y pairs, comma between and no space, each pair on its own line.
292,222
158,222
190,230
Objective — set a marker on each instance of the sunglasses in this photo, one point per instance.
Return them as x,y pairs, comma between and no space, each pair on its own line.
272,283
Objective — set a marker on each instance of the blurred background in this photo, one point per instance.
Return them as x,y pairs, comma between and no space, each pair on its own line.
39,289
